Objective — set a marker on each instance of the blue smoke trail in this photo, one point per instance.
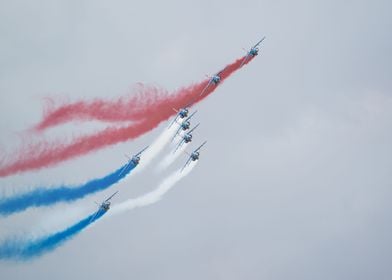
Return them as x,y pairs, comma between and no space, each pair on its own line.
46,196
16,249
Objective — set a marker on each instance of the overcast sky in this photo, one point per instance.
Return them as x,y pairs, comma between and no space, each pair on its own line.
295,181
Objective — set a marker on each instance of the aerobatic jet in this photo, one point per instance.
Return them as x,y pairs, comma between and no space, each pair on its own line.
193,156
134,160
186,138
184,125
252,52
214,80
104,206
181,114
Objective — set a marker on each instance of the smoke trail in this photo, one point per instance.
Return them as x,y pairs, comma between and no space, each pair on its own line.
171,157
155,195
156,147
19,249
49,196
146,101
149,109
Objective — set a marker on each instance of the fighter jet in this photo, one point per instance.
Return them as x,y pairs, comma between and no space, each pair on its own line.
213,80
186,138
134,160
184,125
104,206
181,114
252,52
193,156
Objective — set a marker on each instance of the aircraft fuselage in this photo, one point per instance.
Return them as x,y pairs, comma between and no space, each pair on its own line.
216,79
185,125
136,160
188,138
254,52
105,206
183,113
195,156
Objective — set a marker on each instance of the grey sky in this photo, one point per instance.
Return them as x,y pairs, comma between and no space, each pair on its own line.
295,181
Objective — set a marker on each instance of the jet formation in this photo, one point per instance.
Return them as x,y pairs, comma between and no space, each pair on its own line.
183,121
186,138
184,125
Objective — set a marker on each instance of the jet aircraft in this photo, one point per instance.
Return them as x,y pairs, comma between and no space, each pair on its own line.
104,206
193,156
181,114
185,124
186,138
213,80
252,52
134,160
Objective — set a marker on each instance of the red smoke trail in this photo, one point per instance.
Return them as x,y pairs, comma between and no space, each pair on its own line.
148,109
128,108
124,109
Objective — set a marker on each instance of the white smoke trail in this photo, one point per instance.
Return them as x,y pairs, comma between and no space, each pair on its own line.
153,150
170,158
153,196
156,147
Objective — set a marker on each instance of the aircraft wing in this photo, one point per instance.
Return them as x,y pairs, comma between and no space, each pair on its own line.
245,59
172,122
186,164
175,118
142,151
174,136
188,118
258,43
190,131
202,92
110,197
200,146
179,145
